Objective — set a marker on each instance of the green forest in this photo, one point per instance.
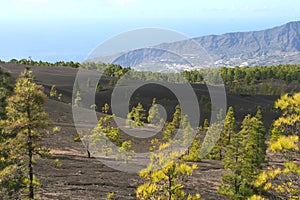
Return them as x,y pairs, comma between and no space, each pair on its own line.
271,80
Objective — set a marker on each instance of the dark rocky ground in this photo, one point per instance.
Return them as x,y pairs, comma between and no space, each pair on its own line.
82,178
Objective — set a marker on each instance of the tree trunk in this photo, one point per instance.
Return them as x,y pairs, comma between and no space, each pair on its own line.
235,186
30,169
170,186
89,154
88,150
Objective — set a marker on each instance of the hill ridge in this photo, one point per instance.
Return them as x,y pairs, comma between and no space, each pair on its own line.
272,46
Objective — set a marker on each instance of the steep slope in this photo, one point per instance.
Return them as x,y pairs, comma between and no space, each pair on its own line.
279,42
273,46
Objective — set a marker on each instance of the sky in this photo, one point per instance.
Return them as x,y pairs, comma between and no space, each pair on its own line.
53,30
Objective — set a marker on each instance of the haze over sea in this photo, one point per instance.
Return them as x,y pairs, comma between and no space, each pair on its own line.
53,30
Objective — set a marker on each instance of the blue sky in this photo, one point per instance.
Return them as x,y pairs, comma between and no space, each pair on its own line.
54,30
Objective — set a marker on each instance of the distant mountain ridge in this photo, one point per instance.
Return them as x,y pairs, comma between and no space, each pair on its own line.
278,45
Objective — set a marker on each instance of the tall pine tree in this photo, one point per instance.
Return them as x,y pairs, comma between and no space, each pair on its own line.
136,117
245,154
228,130
25,126
154,115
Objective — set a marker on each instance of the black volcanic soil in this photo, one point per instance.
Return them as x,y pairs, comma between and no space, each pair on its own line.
64,79
82,178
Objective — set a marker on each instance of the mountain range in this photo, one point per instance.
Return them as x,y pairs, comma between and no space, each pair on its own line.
278,45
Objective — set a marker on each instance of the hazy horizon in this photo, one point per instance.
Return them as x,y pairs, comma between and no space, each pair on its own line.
51,30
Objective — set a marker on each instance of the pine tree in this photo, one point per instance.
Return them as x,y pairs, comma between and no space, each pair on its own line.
25,126
205,124
211,147
136,117
193,154
105,108
254,148
126,151
177,117
139,115
254,143
169,131
188,133
5,91
154,116
282,182
229,127
11,175
164,177
53,91
233,183
288,123
170,128
78,99
129,120
244,156
102,134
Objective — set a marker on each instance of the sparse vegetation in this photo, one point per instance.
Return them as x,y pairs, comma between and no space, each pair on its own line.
241,147
57,163
110,195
